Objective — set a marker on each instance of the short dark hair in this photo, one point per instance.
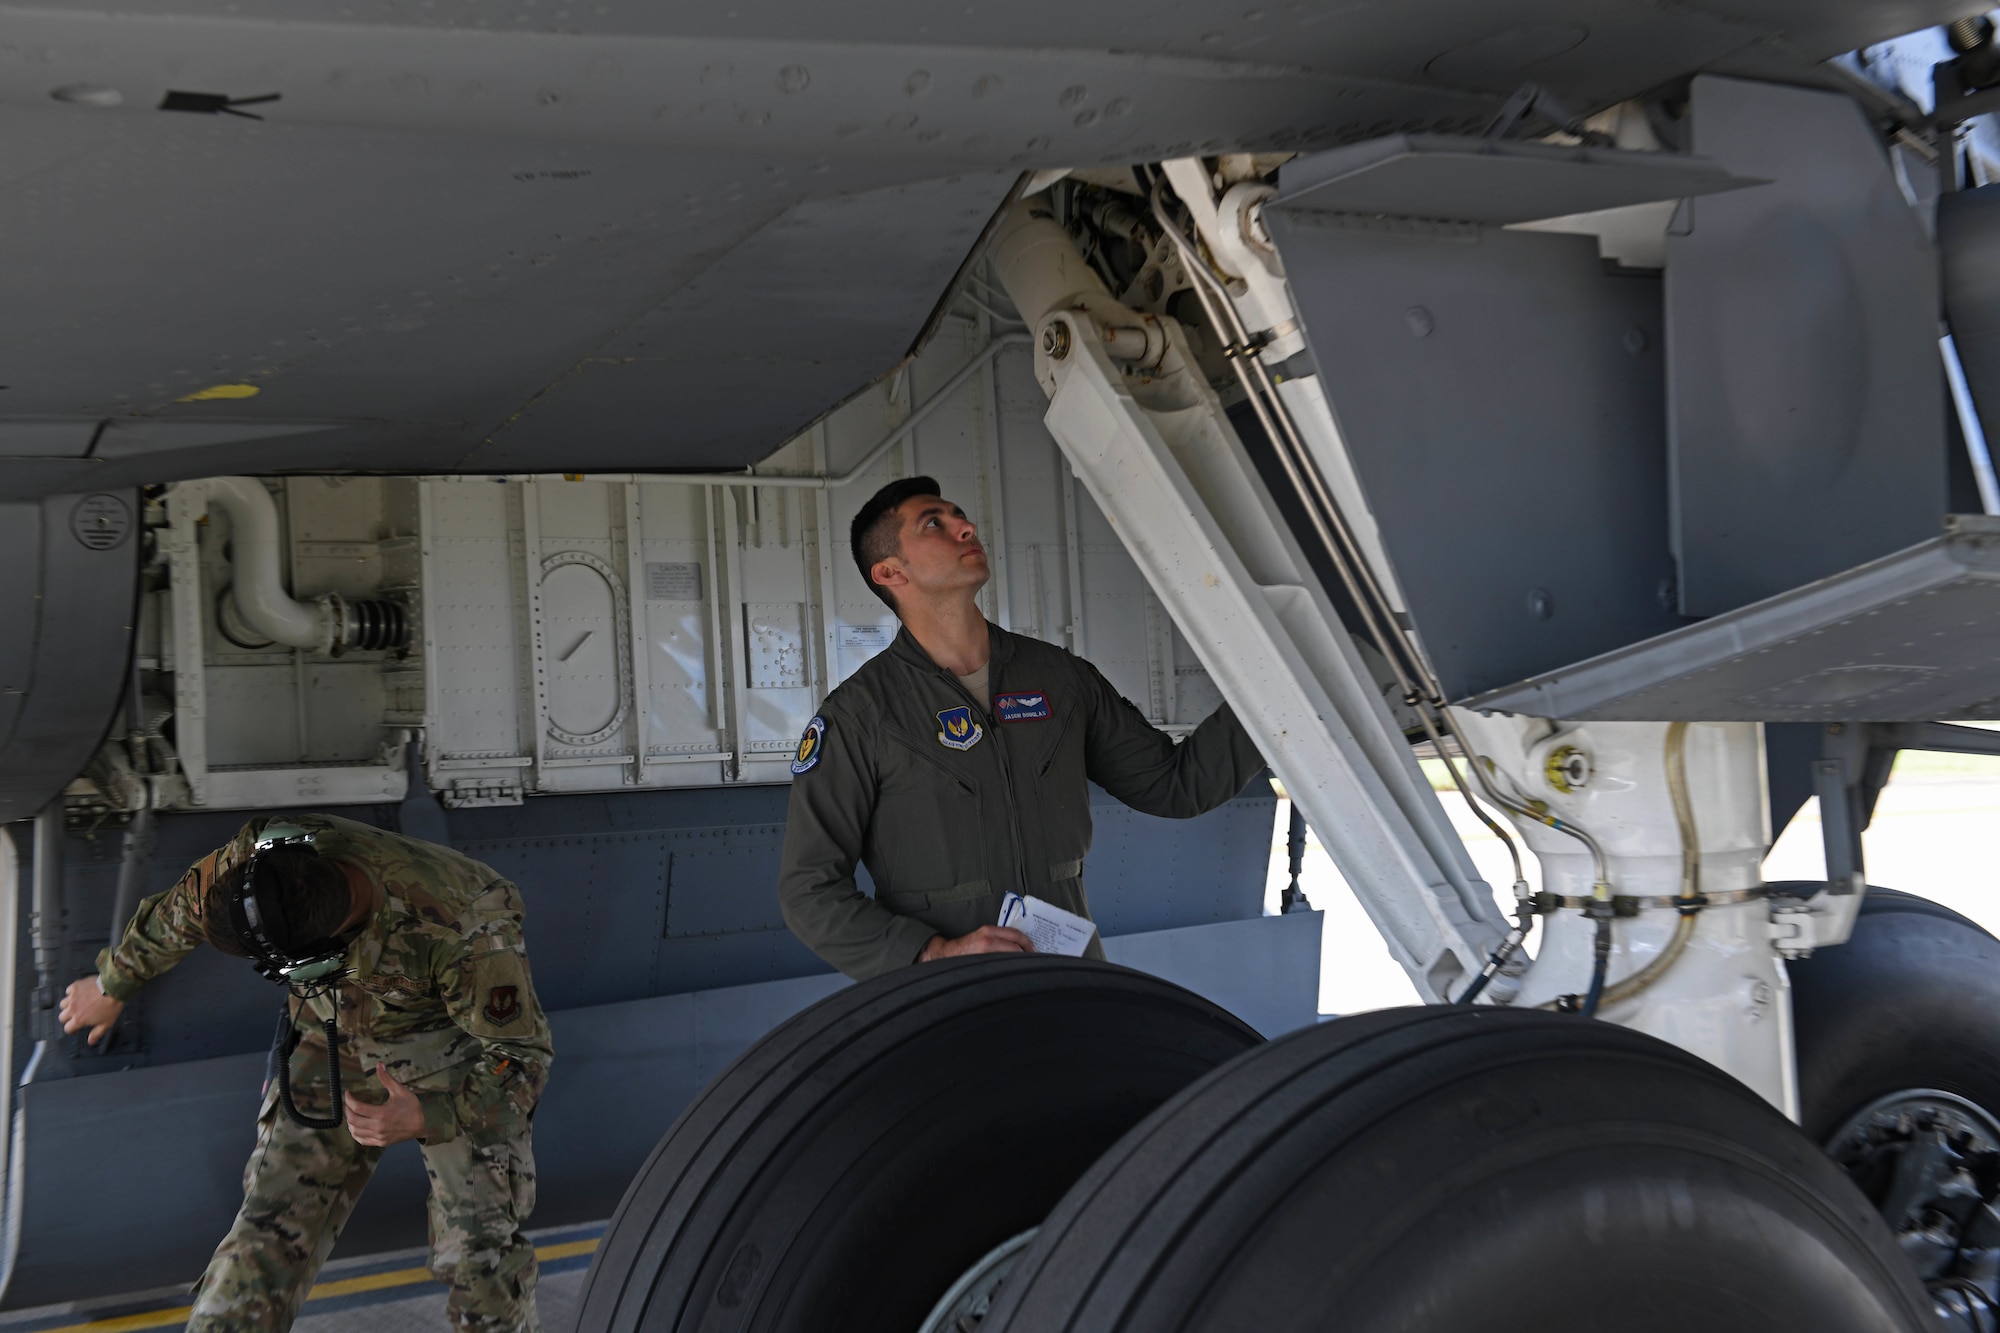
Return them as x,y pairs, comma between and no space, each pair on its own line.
875,536
312,900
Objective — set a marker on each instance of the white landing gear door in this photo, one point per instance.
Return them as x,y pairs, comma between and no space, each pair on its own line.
1184,497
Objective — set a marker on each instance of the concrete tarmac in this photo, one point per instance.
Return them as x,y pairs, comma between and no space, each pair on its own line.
384,1293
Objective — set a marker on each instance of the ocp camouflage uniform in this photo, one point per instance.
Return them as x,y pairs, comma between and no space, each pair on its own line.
437,991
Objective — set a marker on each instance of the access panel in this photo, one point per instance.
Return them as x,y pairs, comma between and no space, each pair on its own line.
1807,394
1500,393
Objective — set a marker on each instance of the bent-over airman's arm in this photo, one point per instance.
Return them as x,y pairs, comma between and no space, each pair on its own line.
488,992
1140,765
168,926
833,797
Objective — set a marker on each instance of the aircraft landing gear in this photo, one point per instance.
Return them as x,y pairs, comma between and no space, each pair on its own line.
1439,1168
1899,1076
847,1170
1058,1146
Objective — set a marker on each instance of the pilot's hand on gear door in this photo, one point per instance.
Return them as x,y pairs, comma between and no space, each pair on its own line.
85,1005
987,939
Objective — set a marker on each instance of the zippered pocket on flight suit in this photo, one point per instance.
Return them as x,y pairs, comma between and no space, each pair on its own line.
1062,730
965,784
918,900
928,830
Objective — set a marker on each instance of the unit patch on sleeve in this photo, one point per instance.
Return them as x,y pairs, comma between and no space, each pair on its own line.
810,744
503,1005
960,731
1021,706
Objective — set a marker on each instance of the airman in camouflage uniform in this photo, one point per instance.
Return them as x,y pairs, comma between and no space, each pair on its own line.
437,992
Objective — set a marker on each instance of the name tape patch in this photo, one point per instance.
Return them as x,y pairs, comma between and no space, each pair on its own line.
1021,706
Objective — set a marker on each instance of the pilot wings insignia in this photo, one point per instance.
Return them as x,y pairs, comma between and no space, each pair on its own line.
960,731
1021,706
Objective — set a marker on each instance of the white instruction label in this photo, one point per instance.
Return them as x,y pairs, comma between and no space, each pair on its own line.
673,581
1051,928
866,638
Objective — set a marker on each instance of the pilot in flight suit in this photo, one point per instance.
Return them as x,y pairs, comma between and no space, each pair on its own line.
956,789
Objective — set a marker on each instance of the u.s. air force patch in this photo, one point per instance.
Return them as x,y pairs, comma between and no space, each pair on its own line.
960,731
503,1005
810,744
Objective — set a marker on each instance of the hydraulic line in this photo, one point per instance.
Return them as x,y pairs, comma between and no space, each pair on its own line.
1599,965
1690,900
1328,525
1370,599
1524,922
1356,575
1241,354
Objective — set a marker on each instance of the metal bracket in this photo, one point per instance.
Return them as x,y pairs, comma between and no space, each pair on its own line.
1856,759
1840,826
1801,925
468,793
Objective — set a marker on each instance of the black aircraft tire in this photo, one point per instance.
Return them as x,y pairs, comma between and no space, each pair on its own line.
1912,1000
846,1169
1463,1169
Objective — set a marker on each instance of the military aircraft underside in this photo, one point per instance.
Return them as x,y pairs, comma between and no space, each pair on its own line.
451,415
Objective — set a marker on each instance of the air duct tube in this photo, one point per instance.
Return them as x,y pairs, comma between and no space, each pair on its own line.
254,558
329,623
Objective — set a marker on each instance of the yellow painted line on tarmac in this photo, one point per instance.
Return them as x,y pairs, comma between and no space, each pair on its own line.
354,1286
569,1249
155,1319
346,1286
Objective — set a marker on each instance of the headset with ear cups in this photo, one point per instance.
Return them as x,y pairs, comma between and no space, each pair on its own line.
309,971
306,969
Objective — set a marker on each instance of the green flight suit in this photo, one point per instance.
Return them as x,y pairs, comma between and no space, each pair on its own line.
952,804
438,991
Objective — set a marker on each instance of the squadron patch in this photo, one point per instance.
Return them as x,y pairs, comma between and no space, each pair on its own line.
810,744
1021,706
503,1005
960,731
